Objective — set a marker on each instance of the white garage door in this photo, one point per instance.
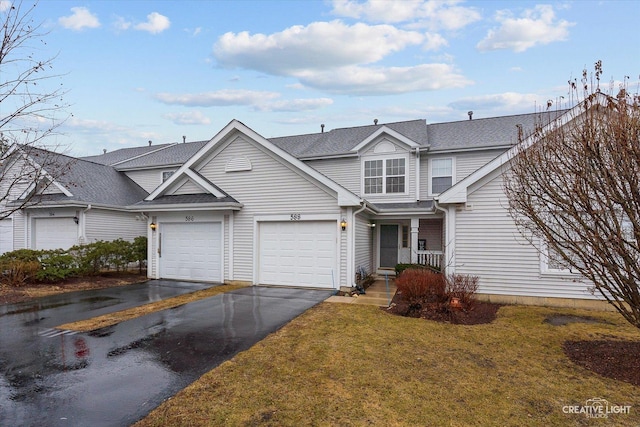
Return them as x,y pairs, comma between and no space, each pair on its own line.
191,251
6,235
301,253
55,233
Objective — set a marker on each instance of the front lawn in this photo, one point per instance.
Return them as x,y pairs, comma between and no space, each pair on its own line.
345,364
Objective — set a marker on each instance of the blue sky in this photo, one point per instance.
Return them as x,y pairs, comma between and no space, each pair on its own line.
157,70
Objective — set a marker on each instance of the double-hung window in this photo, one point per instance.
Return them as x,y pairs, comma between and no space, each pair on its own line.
441,175
385,176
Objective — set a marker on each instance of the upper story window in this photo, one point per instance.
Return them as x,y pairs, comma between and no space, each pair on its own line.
385,176
441,175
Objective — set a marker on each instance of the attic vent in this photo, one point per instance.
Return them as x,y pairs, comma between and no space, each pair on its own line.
238,164
384,147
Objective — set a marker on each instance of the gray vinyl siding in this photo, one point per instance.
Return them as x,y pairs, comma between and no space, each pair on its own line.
488,245
467,163
188,188
364,237
149,180
110,225
270,188
18,230
225,248
345,172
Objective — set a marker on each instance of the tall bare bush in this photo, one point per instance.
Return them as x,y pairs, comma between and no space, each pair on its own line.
574,191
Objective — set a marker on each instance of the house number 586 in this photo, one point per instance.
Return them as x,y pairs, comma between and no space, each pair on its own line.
189,218
295,217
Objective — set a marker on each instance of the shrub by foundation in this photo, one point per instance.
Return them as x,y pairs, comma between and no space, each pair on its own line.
440,295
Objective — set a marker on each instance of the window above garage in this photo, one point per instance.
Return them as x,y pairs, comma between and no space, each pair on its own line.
385,176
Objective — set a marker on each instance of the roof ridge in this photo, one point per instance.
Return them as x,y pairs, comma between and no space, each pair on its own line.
561,111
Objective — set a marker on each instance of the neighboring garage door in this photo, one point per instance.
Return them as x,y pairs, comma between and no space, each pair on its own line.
55,233
300,253
191,251
6,235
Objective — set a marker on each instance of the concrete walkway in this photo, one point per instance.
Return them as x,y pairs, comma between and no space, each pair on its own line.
376,294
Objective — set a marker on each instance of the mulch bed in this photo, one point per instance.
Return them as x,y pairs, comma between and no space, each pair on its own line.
11,295
619,360
479,313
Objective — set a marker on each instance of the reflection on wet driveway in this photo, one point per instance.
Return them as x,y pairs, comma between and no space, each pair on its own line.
116,375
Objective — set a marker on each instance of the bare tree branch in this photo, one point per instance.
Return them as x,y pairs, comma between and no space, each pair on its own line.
575,190
31,111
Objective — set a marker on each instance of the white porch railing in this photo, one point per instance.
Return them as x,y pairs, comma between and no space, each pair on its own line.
432,258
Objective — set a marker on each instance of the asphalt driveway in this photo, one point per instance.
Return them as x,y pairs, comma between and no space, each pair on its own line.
114,376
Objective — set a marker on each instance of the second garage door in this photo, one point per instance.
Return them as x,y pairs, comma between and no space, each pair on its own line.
191,251
300,253
55,233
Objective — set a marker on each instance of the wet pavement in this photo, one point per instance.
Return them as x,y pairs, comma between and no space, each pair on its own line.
116,375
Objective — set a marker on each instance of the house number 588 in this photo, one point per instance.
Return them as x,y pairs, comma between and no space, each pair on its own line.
189,218
295,217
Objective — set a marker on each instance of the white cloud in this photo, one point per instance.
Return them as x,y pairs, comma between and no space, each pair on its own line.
432,14
218,98
355,80
535,26
155,24
188,118
434,41
296,105
121,24
93,125
80,19
320,45
502,102
259,100
4,5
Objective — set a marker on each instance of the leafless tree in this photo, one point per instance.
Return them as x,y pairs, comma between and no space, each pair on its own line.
31,110
574,191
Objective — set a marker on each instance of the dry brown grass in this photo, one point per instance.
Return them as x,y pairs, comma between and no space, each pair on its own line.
131,313
344,364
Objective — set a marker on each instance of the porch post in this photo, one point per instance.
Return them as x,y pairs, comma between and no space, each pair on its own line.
415,222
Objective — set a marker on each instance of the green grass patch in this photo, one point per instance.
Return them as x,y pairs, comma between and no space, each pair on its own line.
131,313
344,364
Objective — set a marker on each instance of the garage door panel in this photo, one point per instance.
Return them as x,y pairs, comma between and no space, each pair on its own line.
55,233
298,253
191,251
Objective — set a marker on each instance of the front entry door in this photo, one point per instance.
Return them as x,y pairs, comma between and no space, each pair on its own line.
388,246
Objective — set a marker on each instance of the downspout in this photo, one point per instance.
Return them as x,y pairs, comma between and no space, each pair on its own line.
83,224
353,242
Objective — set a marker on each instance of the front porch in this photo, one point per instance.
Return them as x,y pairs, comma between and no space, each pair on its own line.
409,241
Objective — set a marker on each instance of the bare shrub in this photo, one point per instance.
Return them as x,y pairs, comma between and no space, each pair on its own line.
421,286
463,287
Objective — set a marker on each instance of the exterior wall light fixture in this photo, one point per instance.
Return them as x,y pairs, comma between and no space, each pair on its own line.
76,220
343,224
153,226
